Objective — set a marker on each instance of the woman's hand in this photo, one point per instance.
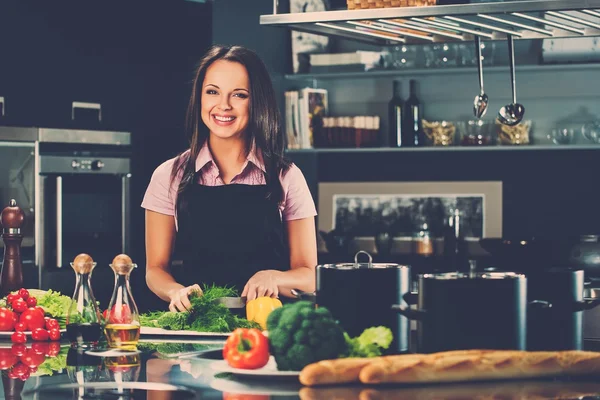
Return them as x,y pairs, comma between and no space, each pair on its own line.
179,300
263,283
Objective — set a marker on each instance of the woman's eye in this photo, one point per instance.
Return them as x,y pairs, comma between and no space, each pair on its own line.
241,95
211,91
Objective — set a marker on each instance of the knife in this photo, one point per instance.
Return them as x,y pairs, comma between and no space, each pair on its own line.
232,302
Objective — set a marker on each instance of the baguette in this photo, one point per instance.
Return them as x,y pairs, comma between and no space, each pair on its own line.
478,365
343,370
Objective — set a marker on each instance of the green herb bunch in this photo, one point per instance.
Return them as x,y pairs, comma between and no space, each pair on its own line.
205,315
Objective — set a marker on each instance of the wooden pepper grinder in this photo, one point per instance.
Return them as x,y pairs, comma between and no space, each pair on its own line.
11,277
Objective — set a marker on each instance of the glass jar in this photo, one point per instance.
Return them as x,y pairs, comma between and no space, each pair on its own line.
83,316
423,241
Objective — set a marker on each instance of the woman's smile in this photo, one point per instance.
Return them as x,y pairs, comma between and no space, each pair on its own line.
223,120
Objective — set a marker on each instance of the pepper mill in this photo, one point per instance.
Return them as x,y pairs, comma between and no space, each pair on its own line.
11,277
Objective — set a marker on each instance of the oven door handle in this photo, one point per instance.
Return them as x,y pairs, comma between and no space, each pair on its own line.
59,222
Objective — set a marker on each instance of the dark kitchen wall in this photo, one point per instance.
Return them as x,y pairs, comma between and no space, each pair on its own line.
135,58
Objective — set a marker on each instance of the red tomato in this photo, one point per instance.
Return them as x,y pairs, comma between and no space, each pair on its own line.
53,349
19,305
32,359
32,319
52,324
40,347
54,334
25,376
24,293
7,359
39,334
20,369
18,337
20,327
120,315
31,302
18,349
11,297
7,322
16,317
41,311
33,370
11,374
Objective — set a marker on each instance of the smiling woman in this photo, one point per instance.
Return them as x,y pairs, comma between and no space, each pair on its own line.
237,211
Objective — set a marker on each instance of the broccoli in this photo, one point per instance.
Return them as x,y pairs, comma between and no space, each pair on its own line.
300,335
370,342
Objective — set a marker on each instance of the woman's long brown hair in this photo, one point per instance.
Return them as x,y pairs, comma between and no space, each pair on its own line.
264,125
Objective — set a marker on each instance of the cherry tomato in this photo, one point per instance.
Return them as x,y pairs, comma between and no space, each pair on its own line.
7,359
24,293
31,302
39,334
32,319
25,375
105,314
12,297
53,349
16,317
11,374
54,334
41,311
19,305
20,327
32,359
20,369
7,322
40,348
18,349
33,370
52,324
18,337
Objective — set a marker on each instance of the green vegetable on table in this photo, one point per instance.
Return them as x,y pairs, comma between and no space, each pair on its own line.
205,315
370,343
300,335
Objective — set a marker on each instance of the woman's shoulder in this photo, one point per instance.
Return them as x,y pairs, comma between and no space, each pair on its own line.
165,169
292,176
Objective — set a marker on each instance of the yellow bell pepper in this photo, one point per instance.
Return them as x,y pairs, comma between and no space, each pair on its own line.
258,310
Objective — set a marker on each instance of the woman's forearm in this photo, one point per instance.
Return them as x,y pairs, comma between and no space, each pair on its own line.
301,278
161,282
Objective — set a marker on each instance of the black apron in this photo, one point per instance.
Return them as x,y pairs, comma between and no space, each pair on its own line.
228,233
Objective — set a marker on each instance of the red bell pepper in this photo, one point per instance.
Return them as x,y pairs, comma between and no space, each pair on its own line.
246,349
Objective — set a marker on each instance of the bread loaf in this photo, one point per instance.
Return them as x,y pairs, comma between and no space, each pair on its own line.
478,365
343,370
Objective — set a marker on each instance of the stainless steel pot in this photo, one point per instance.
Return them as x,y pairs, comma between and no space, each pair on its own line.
360,295
470,311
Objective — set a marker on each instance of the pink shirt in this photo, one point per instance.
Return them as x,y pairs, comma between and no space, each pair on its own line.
297,203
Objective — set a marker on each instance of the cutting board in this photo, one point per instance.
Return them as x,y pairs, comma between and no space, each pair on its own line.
148,331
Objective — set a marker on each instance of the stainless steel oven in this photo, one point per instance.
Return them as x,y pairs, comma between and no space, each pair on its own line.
74,186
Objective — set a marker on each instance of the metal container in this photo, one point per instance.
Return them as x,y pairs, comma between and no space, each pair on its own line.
361,295
459,311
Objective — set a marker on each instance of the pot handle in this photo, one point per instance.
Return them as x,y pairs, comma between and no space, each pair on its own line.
586,304
409,312
300,295
411,298
540,304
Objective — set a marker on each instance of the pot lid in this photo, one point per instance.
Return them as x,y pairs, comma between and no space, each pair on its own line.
367,265
474,275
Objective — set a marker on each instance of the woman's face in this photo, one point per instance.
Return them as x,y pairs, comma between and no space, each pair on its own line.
226,99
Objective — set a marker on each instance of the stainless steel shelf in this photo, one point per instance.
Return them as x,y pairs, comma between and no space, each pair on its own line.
536,19
549,147
441,71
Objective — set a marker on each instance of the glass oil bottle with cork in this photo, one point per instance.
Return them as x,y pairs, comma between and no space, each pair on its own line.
122,320
83,317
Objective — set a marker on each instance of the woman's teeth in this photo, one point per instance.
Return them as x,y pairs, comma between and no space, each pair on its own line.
224,119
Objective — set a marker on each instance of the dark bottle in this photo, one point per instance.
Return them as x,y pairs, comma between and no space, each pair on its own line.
456,258
396,111
413,113
11,277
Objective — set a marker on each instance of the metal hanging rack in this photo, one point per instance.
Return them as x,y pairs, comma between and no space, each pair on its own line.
535,19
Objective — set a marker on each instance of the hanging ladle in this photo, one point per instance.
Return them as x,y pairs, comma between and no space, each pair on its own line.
513,113
480,104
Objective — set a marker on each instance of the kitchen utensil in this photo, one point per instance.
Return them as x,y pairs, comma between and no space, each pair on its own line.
513,113
359,295
480,104
459,311
559,327
232,302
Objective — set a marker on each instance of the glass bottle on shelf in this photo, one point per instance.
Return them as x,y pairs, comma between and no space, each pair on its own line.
422,238
83,316
398,138
122,320
413,114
